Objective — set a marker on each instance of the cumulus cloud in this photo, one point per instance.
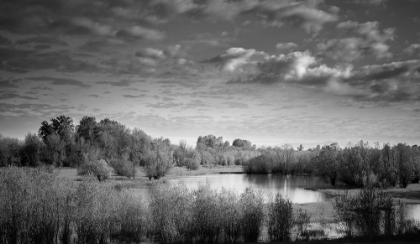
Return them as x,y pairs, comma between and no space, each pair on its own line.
370,41
305,14
234,58
346,49
150,56
413,48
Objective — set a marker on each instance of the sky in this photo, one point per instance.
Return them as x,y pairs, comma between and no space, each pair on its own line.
269,71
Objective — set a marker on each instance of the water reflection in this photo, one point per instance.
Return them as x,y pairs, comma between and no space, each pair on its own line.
413,211
291,187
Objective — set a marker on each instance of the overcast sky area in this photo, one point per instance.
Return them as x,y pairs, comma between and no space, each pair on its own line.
269,71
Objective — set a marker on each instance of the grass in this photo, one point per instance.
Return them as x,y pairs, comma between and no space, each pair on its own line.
411,194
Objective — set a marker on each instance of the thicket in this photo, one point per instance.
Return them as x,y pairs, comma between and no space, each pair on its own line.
36,207
372,213
361,165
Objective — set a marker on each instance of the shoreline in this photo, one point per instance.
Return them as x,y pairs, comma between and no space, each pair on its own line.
409,195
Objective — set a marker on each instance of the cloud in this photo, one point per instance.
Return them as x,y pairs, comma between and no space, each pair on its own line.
139,32
83,25
373,3
305,14
282,68
234,58
60,81
413,48
210,39
391,82
174,7
370,41
21,61
6,96
287,45
339,88
7,84
121,83
4,41
42,40
134,96
150,56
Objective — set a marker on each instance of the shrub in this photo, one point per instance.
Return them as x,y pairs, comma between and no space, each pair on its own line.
280,219
36,207
158,161
252,214
97,168
262,164
301,221
193,160
230,216
192,164
171,214
9,152
206,215
123,168
371,212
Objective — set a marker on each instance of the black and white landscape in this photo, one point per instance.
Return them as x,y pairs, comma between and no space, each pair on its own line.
209,121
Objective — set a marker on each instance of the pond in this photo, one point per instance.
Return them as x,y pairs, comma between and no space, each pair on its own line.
291,187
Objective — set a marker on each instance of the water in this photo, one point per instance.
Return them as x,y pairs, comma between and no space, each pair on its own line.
413,211
291,187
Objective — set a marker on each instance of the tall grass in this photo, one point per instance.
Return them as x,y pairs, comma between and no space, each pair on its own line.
37,208
205,215
280,219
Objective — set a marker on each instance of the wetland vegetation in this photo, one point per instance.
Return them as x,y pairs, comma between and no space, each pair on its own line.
86,184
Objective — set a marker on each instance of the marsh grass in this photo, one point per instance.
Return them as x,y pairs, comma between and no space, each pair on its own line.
36,207
372,213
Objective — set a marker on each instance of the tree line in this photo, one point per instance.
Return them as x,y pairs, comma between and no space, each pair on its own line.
100,148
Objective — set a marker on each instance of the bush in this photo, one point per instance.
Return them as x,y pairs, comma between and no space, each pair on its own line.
97,168
123,168
280,219
262,164
371,213
301,221
158,161
193,160
252,214
206,215
171,214
192,164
